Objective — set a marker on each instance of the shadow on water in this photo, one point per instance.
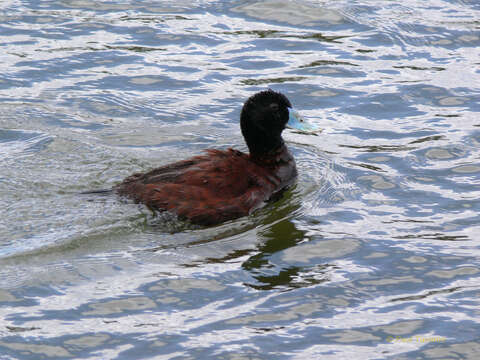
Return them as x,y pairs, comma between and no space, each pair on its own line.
278,237
276,231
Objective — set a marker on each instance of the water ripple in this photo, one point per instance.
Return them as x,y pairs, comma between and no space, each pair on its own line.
372,254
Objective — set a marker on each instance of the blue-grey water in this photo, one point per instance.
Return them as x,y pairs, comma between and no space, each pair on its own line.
374,254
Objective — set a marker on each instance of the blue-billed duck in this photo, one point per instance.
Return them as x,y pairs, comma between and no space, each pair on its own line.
222,185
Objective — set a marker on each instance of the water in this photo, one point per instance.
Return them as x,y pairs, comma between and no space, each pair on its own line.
374,254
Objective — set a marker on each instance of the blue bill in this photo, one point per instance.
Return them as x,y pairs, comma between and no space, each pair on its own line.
297,122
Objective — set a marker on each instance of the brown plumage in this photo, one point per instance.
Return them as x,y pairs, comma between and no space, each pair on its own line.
224,185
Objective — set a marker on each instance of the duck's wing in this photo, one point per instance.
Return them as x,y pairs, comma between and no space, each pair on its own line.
165,174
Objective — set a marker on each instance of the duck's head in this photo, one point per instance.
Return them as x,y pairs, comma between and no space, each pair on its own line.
263,118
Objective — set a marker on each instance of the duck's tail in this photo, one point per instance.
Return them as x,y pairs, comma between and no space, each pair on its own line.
99,192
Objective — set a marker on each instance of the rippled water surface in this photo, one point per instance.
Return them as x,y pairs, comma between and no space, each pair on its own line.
374,254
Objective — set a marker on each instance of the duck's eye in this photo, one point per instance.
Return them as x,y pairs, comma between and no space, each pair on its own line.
274,107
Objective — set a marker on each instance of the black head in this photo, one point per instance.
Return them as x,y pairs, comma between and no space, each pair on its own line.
263,118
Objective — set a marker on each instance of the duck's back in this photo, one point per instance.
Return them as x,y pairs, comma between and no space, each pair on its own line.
211,188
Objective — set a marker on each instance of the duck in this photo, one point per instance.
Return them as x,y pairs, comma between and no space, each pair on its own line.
223,185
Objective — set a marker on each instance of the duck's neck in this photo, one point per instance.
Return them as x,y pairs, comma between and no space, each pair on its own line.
281,164
278,155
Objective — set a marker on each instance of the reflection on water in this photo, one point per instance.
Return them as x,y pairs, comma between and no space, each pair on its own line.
372,254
